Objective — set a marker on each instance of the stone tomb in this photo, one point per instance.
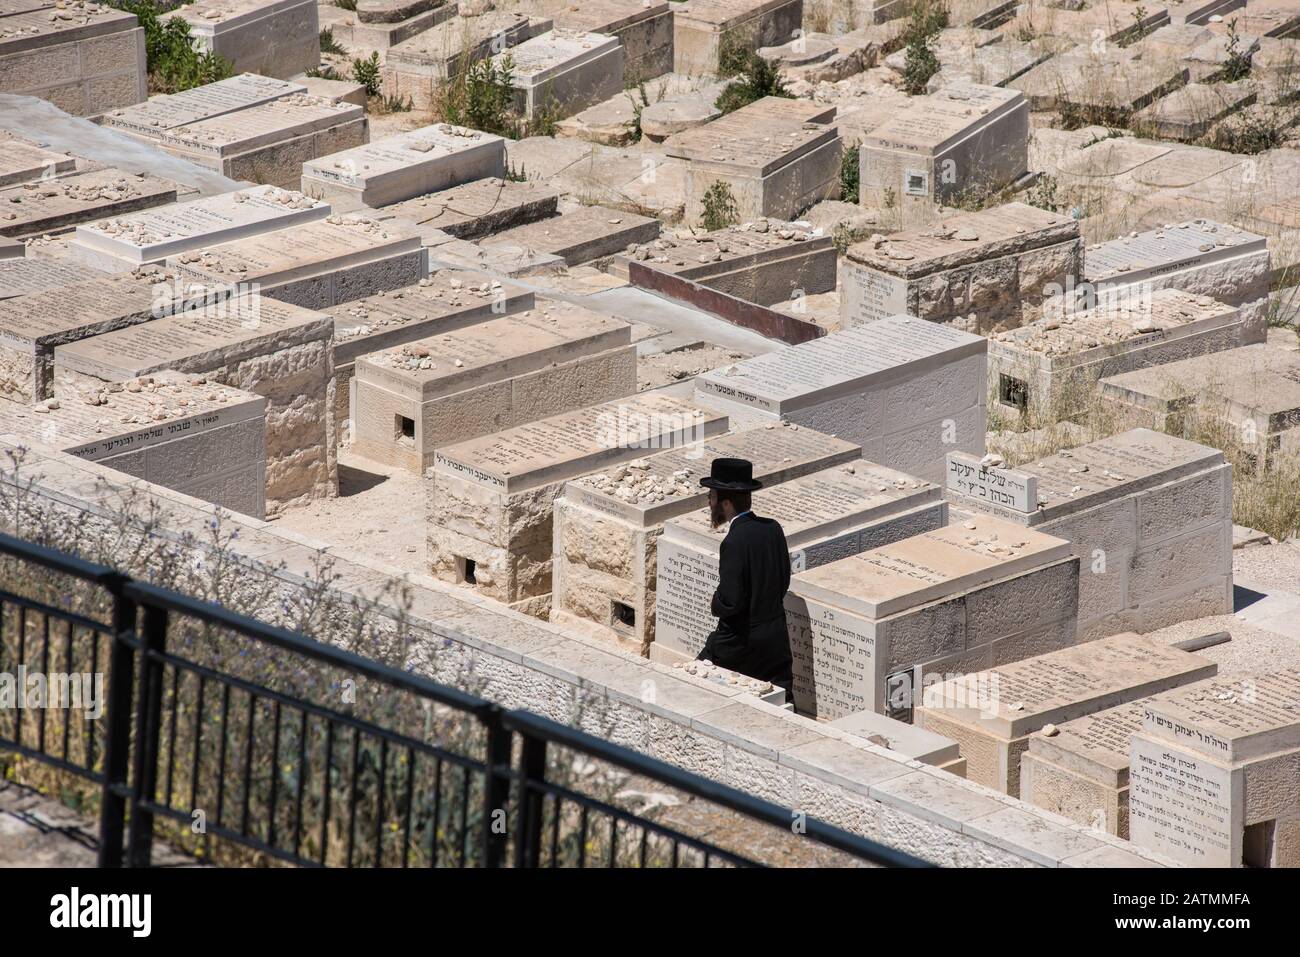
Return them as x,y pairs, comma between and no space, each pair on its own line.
563,72
868,630
31,209
385,24
1051,367
448,300
961,144
23,162
277,350
906,390
153,235
1254,391
174,430
404,166
85,61
1080,769
1100,83
583,235
979,271
279,38
608,523
1213,772
703,28
1149,517
316,265
416,68
152,119
1191,111
477,209
1198,256
491,499
826,516
913,743
413,399
759,262
20,276
993,713
33,325
269,143
643,27
777,156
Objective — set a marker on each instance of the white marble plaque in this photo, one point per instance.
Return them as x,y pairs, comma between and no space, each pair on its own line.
1181,805
997,486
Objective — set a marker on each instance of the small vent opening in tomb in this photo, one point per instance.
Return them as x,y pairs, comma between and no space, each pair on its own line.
1013,392
623,616
1257,844
466,569
405,431
916,183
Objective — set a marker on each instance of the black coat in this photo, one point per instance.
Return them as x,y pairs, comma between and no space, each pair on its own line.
754,575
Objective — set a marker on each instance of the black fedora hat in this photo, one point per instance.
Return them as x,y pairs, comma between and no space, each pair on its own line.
732,475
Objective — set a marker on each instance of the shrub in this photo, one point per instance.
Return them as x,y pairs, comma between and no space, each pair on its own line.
480,97
924,24
173,62
366,72
850,175
719,207
328,44
1237,66
1252,134
757,78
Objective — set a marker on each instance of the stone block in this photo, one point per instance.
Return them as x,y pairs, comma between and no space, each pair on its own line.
995,714
317,265
1212,772
169,429
978,271
563,72
32,326
153,235
35,208
415,398
703,30
1125,503
608,524
492,498
906,390
588,233
867,630
1049,369
276,350
956,146
278,38
403,166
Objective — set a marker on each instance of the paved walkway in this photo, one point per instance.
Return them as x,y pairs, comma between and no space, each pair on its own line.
37,831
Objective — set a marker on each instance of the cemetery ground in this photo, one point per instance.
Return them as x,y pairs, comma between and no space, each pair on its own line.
428,317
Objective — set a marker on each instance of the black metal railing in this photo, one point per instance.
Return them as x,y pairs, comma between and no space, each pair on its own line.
239,742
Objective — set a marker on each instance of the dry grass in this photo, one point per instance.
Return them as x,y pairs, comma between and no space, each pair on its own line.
1265,488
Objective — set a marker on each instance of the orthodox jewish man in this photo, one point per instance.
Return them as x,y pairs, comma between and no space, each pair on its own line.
754,573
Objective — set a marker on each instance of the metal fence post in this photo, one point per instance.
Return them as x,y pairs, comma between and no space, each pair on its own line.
496,790
532,767
117,743
144,785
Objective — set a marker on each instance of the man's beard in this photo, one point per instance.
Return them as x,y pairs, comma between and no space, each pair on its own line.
716,515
